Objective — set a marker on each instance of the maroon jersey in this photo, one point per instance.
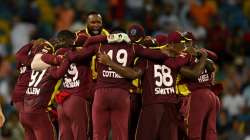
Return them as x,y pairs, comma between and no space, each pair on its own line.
77,79
23,66
205,79
21,84
121,53
159,79
81,37
41,86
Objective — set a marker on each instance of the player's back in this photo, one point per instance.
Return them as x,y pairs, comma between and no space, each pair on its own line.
159,78
121,53
77,78
40,88
158,82
204,80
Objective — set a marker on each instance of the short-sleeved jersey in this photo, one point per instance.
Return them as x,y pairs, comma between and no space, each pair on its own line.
159,79
41,85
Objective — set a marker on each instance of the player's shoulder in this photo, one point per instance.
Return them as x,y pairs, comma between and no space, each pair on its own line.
81,32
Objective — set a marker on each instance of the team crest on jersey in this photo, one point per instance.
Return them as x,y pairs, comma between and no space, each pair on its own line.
133,32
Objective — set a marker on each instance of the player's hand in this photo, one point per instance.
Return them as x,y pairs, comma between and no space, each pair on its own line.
165,50
112,38
119,37
203,52
59,58
104,59
124,37
191,50
2,119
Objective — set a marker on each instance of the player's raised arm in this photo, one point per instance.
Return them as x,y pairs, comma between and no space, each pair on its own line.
83,53
210,54
149,53
51,59
95,39
22,54
128,72
57,72
177,62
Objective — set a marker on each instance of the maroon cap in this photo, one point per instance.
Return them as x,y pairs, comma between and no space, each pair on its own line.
136,32
174,37
161,39
45,47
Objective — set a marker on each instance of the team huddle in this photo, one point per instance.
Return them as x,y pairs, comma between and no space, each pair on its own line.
118,84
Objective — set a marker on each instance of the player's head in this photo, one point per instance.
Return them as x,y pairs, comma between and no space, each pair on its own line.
136,33
94,23
176,42
190,39
65,39
161,39
45,47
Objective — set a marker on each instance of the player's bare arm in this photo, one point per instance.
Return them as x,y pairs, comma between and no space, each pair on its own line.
195,71
128,72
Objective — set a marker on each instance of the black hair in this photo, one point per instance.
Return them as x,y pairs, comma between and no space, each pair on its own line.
117,30
66,34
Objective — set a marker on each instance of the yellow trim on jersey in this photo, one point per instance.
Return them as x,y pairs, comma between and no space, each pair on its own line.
87,31
158,47
137,41
103,32
136,82
93,60
181,89
56,89
92,67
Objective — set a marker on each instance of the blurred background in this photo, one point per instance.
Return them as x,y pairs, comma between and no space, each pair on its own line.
219,25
